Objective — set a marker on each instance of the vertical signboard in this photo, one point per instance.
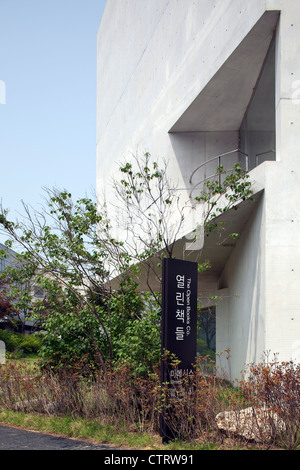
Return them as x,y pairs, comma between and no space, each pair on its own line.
179,322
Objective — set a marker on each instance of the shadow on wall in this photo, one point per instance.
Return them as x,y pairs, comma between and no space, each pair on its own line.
191,149
243,275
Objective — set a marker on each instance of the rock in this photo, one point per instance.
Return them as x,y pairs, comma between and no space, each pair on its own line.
258,424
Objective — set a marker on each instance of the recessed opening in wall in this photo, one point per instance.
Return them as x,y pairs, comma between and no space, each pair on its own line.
257,132
232,119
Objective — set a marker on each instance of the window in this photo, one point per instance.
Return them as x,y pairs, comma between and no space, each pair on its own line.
38,293
2,264
206,332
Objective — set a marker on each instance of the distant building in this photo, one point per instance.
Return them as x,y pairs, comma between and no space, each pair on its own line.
209,81
5,323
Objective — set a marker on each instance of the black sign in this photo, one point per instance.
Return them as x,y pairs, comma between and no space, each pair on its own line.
179,323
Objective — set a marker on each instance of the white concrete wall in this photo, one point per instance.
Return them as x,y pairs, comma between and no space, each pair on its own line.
282,210
240,320
263,273
154,59
262,309
282,195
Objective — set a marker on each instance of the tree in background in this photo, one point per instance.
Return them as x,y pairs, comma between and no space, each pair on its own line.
66,251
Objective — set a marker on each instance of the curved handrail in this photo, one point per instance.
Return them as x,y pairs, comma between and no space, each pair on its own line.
218,157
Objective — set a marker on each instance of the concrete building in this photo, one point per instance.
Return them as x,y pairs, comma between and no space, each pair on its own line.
192,80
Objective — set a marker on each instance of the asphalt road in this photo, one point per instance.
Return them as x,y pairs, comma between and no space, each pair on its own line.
12,438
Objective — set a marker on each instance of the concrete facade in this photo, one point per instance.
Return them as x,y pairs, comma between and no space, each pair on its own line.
190,80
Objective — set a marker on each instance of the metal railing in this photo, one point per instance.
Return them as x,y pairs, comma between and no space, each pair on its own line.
263,153
218,159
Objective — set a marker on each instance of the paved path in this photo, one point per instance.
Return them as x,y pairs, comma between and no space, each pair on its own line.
12,438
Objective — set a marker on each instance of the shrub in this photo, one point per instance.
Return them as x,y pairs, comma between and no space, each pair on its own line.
11,339
189,405
27,344
275,387
31,344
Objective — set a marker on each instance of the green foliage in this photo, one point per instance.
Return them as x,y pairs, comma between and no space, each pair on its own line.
63,256
12,340
140,343
31,344
69,253
26,344
222,193
149,201
80,315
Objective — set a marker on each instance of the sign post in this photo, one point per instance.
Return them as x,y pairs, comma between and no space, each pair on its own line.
179,323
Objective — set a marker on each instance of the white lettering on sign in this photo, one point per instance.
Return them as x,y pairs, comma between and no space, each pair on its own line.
183,303
179,333
180,281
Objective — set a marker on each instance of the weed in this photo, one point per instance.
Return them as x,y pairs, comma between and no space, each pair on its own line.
114,405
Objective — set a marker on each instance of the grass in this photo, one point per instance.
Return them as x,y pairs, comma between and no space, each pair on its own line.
82,428
30,361
90,413
95,432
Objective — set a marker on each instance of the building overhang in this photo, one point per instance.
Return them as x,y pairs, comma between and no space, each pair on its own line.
222,104
218,244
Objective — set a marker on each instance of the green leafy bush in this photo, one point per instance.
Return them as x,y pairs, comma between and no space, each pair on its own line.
11,339
29,344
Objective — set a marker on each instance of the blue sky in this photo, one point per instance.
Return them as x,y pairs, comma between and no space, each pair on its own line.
48,117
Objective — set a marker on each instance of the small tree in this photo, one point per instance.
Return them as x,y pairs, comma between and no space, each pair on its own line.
155,210
68,253
147,203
